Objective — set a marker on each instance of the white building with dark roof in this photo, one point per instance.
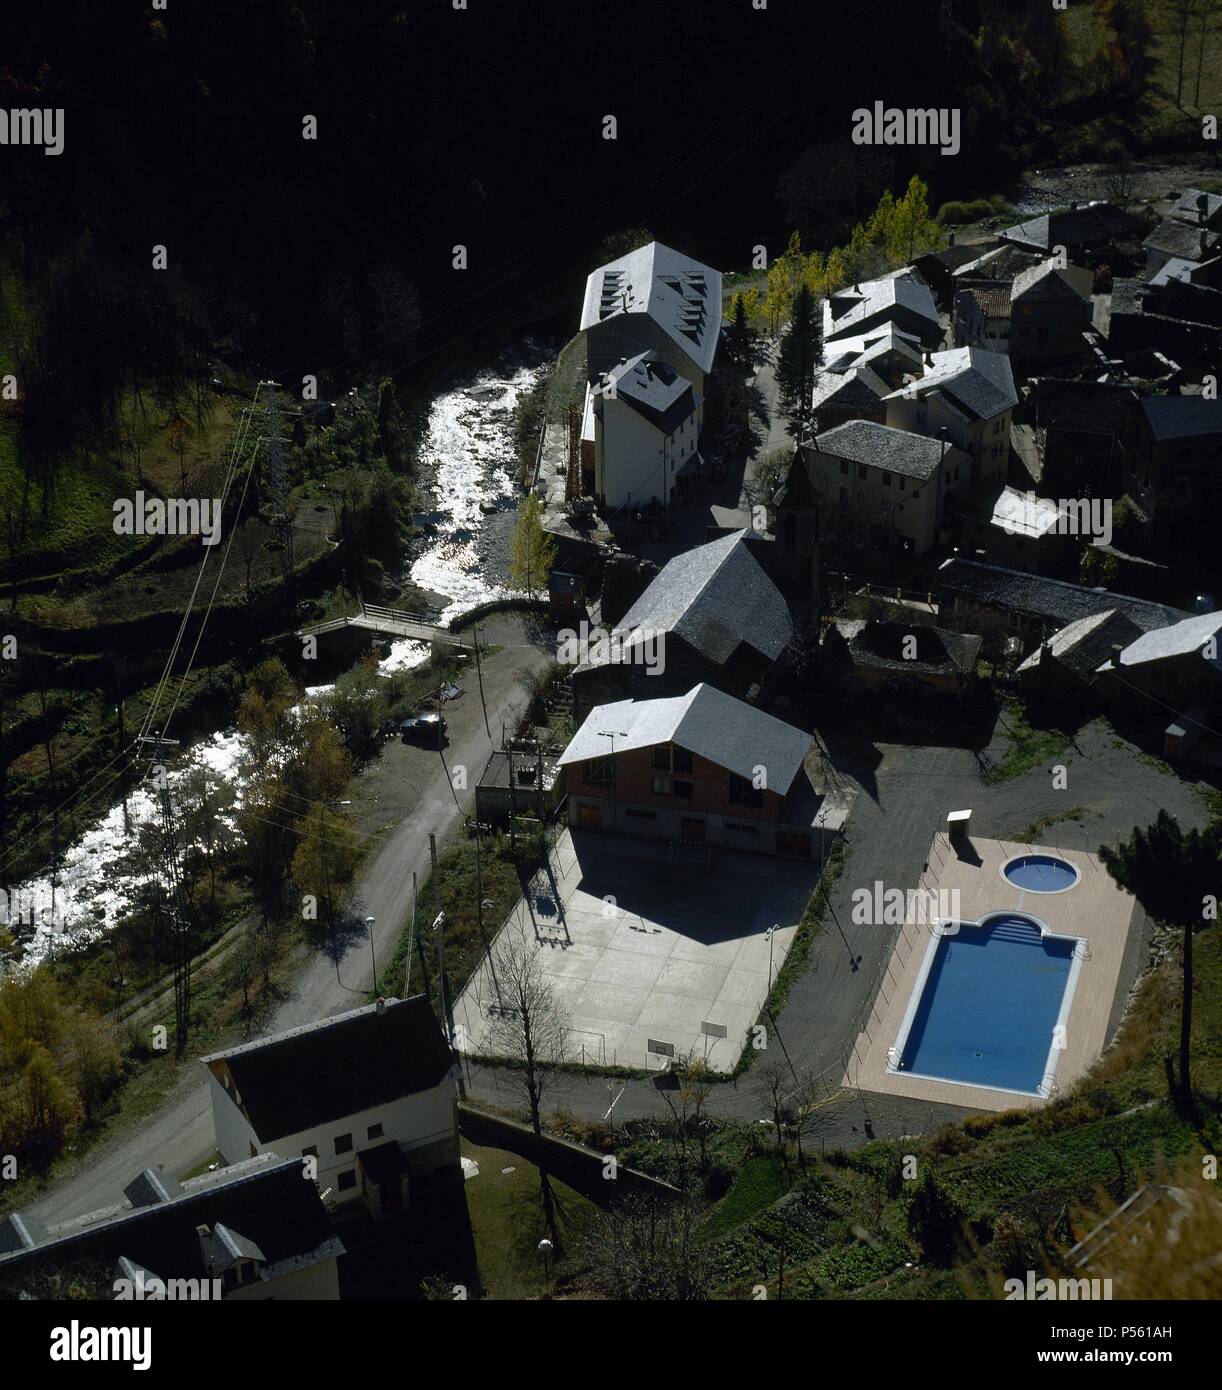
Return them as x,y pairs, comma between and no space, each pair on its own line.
368,1095
646,421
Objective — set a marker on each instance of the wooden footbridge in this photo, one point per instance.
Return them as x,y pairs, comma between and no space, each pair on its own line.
387,622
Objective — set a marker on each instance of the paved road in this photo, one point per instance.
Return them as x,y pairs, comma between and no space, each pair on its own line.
180,1134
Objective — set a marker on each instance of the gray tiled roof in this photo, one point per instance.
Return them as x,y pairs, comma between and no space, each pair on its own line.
980,381
1081,645
1179,239
1049,281
1090,224
655,390
1182,417
1177,639
854,306
898,451
1189,206
855,389
1053,599
706,722
715,597
682,295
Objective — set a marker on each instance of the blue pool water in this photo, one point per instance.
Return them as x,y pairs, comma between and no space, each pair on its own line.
1041,873
989,1006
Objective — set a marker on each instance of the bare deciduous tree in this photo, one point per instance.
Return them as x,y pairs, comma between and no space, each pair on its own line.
529,1026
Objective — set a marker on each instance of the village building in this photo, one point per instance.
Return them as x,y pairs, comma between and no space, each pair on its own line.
897,660
1062,668
701,768
900,301
968,393
368,1095
712,615
249,1232
1176,466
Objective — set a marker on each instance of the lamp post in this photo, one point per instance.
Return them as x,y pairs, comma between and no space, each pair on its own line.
369,921
775,927
612,734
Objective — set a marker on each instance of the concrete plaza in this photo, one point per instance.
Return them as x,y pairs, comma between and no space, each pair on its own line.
643,950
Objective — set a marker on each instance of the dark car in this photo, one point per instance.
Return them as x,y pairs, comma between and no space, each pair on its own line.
428,728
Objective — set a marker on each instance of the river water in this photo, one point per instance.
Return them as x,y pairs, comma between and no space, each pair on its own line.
470,471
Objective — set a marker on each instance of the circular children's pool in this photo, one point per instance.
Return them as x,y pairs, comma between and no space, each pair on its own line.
1040,873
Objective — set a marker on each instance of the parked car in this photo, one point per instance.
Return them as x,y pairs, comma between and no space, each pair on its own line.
427,727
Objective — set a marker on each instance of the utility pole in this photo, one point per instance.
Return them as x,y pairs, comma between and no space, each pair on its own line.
479,672
173,880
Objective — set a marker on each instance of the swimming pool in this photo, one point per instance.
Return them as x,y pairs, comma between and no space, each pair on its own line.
986,1004
1040,873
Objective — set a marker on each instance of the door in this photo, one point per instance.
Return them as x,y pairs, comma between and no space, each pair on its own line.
591,815
691,830
391,1194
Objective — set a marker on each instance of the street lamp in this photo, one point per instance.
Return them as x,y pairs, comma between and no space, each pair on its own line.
612,734
369,921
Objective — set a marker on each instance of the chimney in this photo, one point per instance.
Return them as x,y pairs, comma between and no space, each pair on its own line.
1117,648
380,1006
1073,207
952,239
1204,241
204,1235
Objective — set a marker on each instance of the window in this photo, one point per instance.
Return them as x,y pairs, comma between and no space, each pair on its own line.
597,772
742,793
343,1144
740,827
844,497
660,758
861,470
661,786
903,483
346,1181
844,465
639,813
375,1132
684,790
683,760
886,480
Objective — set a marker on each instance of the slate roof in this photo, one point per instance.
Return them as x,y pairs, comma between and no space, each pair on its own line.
1000,265
1088,225
1181,417
898,451
1086,407
338,1066
1177,639
1178,239
982,382
654,390
707,723
266,1208
681,295
1189,206
715,597
1177,268
1055,600
1048,282
858,389
1081,645
853,307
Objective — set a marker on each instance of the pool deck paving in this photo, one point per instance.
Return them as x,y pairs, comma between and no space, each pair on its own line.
639,949
1094,910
